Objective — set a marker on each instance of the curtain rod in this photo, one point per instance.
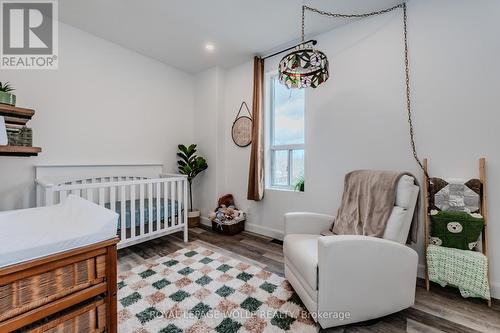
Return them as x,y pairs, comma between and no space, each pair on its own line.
312,41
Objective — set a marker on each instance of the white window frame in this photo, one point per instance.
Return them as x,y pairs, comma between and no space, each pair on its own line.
273,148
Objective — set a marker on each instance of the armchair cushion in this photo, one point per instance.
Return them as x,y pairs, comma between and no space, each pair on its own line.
301,253
307,223
404,192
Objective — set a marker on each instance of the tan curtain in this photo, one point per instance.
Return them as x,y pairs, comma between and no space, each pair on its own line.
256,170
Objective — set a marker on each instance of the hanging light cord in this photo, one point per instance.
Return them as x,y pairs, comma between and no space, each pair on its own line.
407,63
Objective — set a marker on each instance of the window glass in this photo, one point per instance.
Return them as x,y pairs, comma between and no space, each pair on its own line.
288,115
287,107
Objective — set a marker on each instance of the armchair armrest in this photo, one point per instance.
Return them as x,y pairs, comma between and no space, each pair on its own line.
367,276
307,223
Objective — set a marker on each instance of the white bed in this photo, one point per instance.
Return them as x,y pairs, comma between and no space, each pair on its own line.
37,232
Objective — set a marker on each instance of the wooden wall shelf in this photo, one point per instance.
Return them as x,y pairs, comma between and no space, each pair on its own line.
16,115
19,151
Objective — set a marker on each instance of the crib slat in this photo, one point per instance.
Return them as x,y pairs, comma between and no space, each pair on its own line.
49,197
179,202
62,195
158,206
165,205
150,206
101,196
141,208
123,213
89,192
132,211
112,198
184,213
172,203
75,192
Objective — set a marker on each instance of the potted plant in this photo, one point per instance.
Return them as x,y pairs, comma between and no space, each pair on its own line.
299,185
5,94
191,165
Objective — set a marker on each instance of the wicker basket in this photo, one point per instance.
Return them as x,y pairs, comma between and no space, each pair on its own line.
20,136
229,229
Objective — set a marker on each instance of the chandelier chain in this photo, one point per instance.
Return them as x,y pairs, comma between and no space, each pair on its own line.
378,12
303,27
406,60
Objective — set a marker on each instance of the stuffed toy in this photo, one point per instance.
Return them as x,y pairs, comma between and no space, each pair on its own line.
226,212
226,200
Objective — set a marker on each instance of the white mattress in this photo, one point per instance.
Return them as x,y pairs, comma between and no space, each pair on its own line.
27,234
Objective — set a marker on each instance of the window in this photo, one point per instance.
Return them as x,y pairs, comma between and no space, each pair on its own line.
286,139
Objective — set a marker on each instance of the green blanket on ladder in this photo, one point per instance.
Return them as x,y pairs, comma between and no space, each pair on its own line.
466,270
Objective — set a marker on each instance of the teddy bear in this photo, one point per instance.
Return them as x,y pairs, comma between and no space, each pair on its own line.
435,241
454,227
226,211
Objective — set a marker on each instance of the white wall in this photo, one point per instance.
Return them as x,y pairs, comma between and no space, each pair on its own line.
105,104
209,135
358,118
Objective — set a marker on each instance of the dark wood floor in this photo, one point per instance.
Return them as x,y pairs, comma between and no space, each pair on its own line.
440,310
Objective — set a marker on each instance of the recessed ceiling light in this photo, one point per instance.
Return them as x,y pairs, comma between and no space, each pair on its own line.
209,47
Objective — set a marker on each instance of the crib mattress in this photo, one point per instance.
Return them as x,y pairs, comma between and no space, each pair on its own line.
137,212
38,232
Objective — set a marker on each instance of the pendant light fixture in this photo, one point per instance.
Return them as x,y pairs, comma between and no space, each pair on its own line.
305,66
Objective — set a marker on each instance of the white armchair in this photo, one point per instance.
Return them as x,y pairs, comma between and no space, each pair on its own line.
348,279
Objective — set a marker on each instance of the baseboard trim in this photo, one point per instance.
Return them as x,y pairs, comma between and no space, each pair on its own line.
495,290
205,221
258,229
269,232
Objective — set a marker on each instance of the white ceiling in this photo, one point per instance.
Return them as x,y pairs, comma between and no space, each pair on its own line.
175,31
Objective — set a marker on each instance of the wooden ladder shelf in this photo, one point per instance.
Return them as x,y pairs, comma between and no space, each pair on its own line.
483,210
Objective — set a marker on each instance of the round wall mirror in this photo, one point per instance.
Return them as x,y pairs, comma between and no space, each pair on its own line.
242,128
242,131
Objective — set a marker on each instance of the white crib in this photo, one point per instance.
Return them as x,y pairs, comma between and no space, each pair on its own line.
150,204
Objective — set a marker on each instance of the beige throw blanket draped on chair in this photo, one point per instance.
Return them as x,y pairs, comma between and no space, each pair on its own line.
368,199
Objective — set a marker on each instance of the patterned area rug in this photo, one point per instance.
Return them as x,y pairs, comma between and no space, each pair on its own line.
198,290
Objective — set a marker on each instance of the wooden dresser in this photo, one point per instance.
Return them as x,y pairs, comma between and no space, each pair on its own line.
71,291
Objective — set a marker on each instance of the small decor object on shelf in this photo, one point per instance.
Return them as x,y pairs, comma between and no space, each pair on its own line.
6,97
20,136
242,128
3,133
226,218
191,165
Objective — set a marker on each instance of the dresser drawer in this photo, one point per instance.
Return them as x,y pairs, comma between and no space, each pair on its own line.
89,318
30,292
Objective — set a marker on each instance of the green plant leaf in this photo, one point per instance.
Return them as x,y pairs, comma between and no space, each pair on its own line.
182,149
190,164
6,87
183,157
299,184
